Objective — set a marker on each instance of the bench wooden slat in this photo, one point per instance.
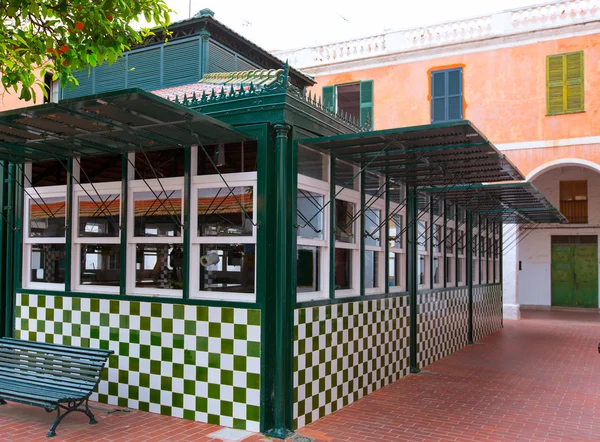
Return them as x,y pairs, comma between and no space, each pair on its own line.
50,395
37,362
52,381
55,348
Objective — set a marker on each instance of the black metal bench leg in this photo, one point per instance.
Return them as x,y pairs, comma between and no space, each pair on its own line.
2,402
89,414
59,417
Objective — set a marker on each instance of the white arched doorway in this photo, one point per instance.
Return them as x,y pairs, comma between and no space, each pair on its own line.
557,265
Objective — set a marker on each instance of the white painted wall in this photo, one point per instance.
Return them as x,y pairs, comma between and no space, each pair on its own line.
534,251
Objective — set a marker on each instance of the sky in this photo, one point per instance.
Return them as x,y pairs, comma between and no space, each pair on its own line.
279,25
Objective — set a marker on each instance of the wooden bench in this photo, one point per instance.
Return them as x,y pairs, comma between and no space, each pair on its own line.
51,376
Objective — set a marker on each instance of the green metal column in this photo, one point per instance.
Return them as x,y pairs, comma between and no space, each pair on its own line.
187,205
386,238
411,271
469,258
10,261
430,245
479,250
69,226
18,210
361,230
500,258
332,163
123,224
444,245
204,38
285,255
4,228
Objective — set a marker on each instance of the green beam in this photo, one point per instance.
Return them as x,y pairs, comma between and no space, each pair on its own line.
123,225
187,234
469,264
412,272
332,221
386,239
361,231
69,226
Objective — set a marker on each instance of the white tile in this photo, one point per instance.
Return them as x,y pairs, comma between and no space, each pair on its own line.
227,331
229,434
167,310
166,398
226,393
240,316
177,412
214,345
227,362
202,328
177,385
253,365
214,314
178,326
214,406
190,312
226,421
201,389
253,397
253,333
239,379
214,376
240,348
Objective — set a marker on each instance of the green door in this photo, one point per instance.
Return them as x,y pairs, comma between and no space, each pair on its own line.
574,272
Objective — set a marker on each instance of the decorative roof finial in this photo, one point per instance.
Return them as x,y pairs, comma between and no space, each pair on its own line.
205,13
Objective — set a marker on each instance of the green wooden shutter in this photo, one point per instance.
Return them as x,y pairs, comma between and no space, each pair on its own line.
144,69
329,97
438,96
181,63
366,103
574,82
555,80
110,78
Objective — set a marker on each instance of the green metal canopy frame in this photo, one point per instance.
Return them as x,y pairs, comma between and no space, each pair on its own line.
130,120
433,155
516,202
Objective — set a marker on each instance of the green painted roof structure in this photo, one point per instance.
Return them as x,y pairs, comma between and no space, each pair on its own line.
433,155
517,202
130,120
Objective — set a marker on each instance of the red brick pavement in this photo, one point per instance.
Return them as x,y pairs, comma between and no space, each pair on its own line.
538,380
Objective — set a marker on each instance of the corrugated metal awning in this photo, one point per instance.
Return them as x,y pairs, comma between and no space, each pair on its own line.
130,120
430,155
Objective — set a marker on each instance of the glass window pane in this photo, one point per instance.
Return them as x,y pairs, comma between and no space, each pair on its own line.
228,158
396,193
371,269
159,266
449,270
157,216
461,242
343,269
47,173
436,270
421,235
392,279
47,218
48,263
396,233
307,274
450,240
159,164
310,214
459,269
99,215
220,211
227,268
344,173
372,226
422,263
100,264
311,163
374,187
437,238
344,223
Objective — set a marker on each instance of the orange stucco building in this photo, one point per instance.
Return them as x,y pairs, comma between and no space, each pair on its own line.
529,79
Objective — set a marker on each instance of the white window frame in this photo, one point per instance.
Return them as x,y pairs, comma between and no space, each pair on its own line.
439,254
400,252
450,224
79,190
378,204
241,179
426,253
176,183
351,196
322,188
31,193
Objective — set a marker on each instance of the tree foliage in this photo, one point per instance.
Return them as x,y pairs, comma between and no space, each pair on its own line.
62,36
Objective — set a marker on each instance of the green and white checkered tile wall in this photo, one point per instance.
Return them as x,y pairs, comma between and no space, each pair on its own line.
487,310
442,324
195,362
345,351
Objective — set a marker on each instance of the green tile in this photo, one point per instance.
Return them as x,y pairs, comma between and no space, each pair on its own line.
201,405
253,317
239,395
103,398
134,336
189,387
144,406
114,307
177,400
134,308
189,357
178,371
214,329
104,319
202,374
253,381
178,341
202,313
94,305
155,338
227,315
189,328
58,302
156,310
154,396
113,334
167,325
239,424
122,402
49,314
253,413
239,363
123,348
67,317
214,391
202,343
165,410
124,321
86,318
134,364
41,301
178,311
227,346
58,328
214,419
145,323
67,340
226,377
226,408
113,389
167,354
123,377
253,349
133,392
166,383
25,300
214,360
144,380
240,332
144,351
155,367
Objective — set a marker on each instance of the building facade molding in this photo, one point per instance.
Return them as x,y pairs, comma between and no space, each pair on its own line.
562,162
542,144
